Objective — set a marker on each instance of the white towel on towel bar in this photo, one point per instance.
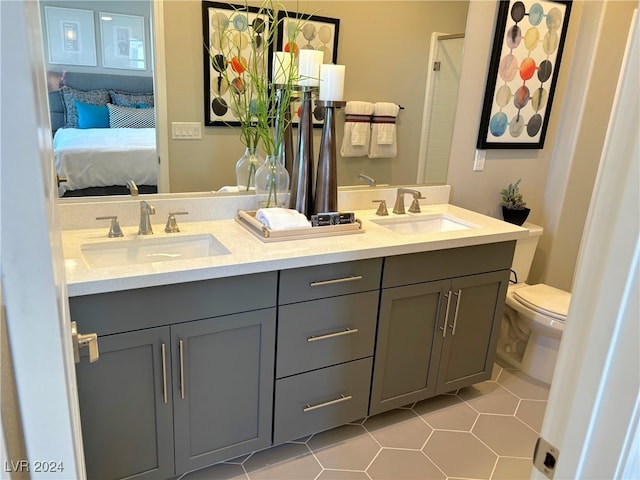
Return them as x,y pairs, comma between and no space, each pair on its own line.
357,129
383,130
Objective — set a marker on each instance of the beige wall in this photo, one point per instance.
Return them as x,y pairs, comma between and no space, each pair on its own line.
385,47
557,180
558,265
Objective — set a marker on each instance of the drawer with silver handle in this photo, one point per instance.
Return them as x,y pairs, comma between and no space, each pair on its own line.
324,332
322,281
322,399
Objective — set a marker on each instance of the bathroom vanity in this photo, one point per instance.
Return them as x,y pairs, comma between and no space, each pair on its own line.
302,338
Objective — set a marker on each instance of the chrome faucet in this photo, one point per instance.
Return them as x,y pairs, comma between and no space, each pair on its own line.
133,188
145,223
370,181
415,205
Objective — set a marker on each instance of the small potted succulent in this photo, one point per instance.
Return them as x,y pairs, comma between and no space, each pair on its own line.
514,208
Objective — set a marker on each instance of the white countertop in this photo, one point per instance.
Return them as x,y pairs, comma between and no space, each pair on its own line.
249,254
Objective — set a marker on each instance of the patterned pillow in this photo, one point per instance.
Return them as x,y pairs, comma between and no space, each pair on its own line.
70,95
126,99
125,117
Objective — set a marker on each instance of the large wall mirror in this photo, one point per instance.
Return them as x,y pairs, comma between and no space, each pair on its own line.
408,53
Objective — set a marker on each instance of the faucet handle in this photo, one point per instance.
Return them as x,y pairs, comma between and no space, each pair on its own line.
382,208
415,205
172,224
114,229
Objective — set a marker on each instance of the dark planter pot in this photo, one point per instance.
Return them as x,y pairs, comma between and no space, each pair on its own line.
515,215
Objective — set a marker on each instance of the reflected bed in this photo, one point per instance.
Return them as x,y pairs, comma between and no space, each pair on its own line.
104,134
105,157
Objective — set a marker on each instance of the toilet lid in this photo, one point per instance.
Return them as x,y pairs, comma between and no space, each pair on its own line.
545,299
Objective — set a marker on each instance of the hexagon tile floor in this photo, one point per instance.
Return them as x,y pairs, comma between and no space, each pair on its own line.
487,431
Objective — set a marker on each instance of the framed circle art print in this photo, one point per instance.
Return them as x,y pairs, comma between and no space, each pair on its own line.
525,59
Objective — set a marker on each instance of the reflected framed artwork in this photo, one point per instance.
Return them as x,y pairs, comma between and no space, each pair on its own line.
313,33
71,36
230,34
523,72
123,44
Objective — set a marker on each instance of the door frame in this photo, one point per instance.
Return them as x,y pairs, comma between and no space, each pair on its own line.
35,306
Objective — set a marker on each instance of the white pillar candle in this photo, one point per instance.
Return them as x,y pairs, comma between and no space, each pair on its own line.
281,67
331,82
309,62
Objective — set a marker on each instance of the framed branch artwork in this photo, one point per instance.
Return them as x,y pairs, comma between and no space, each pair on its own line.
314,33
234,36
523,72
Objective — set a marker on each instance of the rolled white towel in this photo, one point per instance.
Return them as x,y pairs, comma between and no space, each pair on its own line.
277,218
229,189
235,189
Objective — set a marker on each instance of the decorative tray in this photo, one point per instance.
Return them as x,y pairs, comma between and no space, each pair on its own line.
248,220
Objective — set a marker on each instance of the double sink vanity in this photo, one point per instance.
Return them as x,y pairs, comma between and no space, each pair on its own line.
214,343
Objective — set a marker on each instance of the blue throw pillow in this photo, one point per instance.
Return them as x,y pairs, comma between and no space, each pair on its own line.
92,116
70,95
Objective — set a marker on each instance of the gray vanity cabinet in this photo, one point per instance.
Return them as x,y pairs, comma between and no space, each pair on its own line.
466,345
126,407
184,379
404,371
223,387
326,333
438,323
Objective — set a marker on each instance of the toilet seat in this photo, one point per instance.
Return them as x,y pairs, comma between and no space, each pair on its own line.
544,299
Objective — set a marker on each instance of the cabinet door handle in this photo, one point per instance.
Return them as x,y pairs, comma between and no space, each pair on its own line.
446,314
163,349
455,316
346,331
181,349
342,398
320,283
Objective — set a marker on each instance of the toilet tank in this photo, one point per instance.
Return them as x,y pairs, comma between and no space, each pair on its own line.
525,250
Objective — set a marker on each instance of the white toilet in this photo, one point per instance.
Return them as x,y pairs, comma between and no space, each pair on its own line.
534,316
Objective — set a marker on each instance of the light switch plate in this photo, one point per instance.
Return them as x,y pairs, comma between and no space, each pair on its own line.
478,163
186,130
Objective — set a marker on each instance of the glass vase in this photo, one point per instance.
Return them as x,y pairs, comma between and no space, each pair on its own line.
272,183
246,168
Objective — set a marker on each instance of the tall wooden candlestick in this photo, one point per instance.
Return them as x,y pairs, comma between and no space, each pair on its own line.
301,197
326,193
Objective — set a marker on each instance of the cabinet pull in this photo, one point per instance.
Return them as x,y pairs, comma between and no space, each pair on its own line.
455,317
181,349
346,331
164,373
342,398
320,283
446,314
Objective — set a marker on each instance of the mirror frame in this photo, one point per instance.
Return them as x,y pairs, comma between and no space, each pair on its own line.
160,91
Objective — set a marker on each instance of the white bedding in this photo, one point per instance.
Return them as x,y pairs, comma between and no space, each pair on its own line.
102,157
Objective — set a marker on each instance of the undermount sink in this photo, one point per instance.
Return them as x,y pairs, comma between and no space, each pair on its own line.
152,249
427,223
